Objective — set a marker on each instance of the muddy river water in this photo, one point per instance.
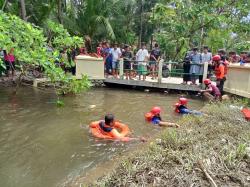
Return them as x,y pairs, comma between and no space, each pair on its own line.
42,145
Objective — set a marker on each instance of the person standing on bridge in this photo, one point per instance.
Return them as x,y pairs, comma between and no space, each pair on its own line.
116,54
205,57
142,57
127,56
155,56
195,67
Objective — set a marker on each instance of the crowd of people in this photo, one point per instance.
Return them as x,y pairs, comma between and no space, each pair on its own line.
141,62
136,62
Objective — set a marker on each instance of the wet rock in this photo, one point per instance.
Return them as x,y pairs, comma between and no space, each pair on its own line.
248,153
223,141
158,141
165,92
92,106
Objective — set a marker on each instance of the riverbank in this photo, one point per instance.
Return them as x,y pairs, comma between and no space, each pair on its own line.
206,151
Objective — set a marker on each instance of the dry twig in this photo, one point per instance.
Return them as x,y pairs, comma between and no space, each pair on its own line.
210,179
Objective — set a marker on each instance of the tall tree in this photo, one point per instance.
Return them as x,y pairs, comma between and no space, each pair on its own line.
23,10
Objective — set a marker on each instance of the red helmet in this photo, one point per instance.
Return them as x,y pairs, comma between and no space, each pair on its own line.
216,58
207,81
156,110
183,101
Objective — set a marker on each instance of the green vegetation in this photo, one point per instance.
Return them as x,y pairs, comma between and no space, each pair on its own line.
176,24
31,50
217,145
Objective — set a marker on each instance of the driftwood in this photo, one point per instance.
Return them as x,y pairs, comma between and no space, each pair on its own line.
210,179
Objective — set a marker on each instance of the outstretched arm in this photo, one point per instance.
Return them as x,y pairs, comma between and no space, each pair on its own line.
120,137
168,124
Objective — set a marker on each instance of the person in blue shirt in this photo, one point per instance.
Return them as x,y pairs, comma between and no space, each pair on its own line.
154,117
181,107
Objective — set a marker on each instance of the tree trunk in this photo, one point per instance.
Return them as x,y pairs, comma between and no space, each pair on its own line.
141,21
23,10
4,4
59,11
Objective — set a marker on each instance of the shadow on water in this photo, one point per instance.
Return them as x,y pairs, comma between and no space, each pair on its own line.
42,145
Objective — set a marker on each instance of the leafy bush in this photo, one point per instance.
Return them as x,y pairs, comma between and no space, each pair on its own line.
31,50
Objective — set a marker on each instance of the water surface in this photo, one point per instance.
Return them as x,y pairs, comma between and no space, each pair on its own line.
42,145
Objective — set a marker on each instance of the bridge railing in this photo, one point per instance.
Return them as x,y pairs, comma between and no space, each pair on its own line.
161,67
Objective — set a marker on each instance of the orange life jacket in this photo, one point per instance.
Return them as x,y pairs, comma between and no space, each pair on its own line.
219,71
246,113
177,105
149,116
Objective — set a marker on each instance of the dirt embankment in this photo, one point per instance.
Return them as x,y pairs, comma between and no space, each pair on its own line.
213,150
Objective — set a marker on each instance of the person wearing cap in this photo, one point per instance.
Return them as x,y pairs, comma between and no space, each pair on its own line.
195,67
181,107
154,117
211,92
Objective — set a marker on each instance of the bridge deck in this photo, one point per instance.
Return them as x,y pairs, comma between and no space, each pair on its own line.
171,83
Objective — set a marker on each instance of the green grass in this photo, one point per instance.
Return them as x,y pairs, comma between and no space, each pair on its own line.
218,140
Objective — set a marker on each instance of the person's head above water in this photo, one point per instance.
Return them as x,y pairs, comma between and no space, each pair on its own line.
183,101
156,110
109,119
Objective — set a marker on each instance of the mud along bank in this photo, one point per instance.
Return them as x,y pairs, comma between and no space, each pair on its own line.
209,151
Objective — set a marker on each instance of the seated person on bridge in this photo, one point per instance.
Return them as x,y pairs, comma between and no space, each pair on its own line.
181,107
211,92
154,117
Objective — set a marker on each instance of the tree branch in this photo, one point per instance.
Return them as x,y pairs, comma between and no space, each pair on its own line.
4,4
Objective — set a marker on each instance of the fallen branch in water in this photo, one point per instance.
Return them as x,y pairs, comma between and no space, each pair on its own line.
210,179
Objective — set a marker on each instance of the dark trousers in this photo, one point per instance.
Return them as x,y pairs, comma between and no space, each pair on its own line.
220,85
73,70
200,78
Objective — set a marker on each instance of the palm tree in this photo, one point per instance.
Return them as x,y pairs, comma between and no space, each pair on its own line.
95,15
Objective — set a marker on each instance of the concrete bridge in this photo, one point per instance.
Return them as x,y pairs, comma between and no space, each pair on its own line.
238,78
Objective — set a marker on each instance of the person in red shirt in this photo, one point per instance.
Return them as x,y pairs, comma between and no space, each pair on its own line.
9,59
99,50
219,69
233,57
211,92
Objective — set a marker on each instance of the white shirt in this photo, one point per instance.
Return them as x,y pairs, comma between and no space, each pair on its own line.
116,53
141,56
206,57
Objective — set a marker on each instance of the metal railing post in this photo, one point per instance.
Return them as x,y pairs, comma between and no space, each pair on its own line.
160,72
170,68
121,68
205,71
